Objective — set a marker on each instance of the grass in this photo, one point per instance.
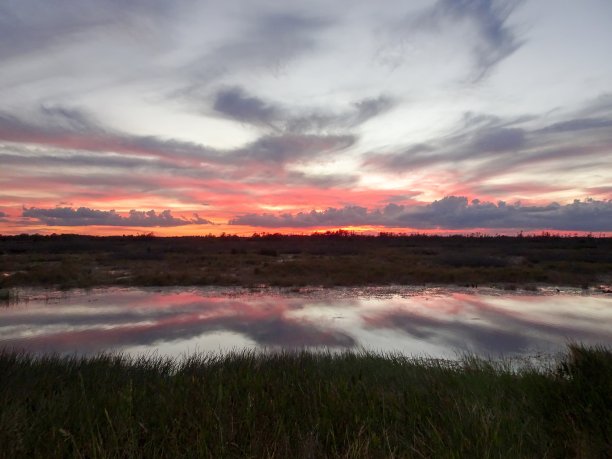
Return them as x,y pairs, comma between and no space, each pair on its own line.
68,261
304,405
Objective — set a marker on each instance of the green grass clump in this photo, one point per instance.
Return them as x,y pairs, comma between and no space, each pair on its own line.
303,404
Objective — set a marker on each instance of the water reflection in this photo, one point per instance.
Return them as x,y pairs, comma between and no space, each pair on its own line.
433,322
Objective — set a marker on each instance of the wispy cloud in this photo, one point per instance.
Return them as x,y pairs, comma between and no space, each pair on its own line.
30,26
483,147
72,129
237,104
484,25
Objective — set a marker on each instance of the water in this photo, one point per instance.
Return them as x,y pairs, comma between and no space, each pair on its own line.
438,322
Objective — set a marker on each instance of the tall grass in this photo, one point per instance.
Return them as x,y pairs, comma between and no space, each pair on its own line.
304,404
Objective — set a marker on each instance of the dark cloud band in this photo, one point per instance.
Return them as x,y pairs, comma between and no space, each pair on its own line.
452,212
83,216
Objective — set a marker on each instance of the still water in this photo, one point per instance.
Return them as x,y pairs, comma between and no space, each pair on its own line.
438,322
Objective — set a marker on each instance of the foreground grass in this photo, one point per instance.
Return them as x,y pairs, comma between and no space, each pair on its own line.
304,405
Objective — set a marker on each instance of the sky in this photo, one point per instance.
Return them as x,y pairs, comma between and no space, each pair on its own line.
199,117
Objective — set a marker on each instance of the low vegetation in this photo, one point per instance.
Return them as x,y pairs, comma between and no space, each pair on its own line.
304,405
338,258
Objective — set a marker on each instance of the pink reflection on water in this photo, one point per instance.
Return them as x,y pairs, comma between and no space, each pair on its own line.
149,318
492,322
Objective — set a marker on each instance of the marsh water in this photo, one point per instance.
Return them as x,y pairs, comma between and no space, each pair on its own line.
437,322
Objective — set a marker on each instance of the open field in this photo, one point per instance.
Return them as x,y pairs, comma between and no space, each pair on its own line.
304,405
335,259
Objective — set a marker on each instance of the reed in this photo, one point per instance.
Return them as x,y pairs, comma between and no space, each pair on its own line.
304,404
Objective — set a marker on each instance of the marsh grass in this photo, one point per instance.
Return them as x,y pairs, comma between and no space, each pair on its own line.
68,261
303,404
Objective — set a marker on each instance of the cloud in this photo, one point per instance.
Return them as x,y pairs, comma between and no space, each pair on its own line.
290,148
323,120
261,41
237,104
579,124
497,140
483,146
483,142
369,108
489,17
30,26
484,26
83,216
271,40
72,129
451,213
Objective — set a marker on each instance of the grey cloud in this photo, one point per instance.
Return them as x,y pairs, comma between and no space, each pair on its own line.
369,108
91,160
495,39
352,215
359,113
71,129
497,140
322,180
236,103
31,26
83,216
267,41
578,124
482,142
489,17
452,212
286,148
600,106
486,146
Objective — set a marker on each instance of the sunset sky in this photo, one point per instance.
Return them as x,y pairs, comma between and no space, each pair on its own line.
193,117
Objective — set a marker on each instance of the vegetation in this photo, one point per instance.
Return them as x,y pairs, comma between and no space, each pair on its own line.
339,258
304,405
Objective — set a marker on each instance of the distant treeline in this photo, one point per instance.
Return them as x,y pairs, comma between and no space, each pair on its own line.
335,234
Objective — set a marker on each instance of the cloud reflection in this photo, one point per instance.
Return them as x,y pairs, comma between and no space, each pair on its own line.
168,318
437,323
480,325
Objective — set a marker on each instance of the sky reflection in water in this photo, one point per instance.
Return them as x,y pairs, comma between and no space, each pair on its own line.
435,322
